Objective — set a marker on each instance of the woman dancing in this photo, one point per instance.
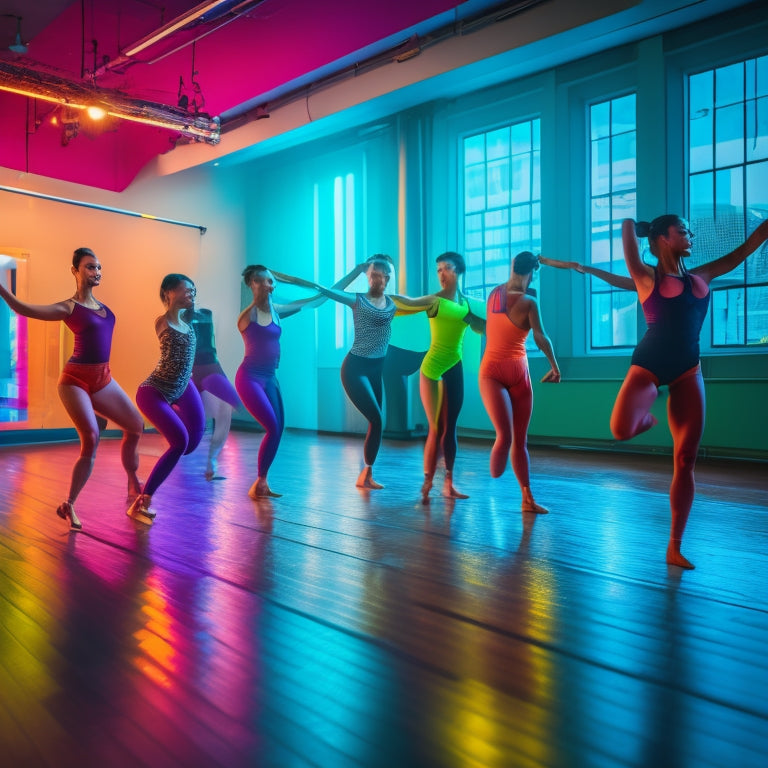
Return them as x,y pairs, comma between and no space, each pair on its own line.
505,383
86,386
675,302
255,380
166,397
441,382
218,395
362,369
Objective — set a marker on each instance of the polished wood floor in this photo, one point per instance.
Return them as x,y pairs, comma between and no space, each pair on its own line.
334,627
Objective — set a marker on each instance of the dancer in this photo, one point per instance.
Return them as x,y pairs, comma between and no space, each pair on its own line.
86,387
441,382
218,395
675,302
255,380
166,397
361,371
505,384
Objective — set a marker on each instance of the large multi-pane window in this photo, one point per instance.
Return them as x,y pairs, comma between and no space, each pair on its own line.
613,189
728,192
502,202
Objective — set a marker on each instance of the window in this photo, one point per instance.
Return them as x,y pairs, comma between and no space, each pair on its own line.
613,182
502,202
728,192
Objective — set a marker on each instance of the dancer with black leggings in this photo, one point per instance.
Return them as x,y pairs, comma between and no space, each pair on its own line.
167,397
441,382
675,302
362,369
86,386
505,383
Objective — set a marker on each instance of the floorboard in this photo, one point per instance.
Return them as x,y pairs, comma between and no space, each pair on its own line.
338,627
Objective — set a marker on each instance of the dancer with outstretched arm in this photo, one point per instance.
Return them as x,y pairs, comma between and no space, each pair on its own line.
86,387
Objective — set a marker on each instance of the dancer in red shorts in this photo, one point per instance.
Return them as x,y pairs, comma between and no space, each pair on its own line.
86,386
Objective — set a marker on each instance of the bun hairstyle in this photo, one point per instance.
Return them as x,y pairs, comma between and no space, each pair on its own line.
456,258
80,254
172,281
654,229
525,263
251,271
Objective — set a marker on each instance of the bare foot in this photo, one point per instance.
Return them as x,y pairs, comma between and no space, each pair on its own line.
66,511
365,480
426,487
134,487
260,490
451,493
674,557
531,506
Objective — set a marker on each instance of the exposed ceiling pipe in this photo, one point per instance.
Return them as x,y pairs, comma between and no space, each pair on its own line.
207,17
54,89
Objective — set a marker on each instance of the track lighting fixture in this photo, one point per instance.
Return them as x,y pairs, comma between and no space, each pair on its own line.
49,87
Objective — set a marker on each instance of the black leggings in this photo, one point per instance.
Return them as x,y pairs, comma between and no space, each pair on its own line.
361,378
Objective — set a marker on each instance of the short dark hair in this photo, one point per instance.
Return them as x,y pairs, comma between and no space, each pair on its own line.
456,258
171,281
251,270
80,254
525,263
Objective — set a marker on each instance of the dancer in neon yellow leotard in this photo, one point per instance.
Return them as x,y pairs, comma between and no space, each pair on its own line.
441,382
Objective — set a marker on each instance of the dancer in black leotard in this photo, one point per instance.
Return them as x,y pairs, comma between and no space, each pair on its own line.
361,371
675,302
218,393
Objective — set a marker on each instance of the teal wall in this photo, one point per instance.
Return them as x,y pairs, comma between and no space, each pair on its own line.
406,204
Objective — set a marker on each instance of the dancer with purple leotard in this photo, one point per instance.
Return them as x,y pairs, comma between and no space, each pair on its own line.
86,386
216,390
255,380
167,397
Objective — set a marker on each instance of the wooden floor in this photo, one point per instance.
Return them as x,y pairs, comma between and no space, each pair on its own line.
336,628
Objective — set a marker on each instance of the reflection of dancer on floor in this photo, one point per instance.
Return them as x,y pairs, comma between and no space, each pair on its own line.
255,380
505,383
218,394
86,386
675,302
361,371
167,397
441,381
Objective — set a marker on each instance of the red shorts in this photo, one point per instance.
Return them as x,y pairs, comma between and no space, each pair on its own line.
88,376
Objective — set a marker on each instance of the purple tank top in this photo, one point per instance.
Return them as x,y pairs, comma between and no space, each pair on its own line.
262,348
93,334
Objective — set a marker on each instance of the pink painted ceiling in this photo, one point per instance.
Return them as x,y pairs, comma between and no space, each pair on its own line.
270,48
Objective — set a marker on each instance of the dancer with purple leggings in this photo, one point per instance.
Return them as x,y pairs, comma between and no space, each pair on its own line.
255,380
167,397
86,386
